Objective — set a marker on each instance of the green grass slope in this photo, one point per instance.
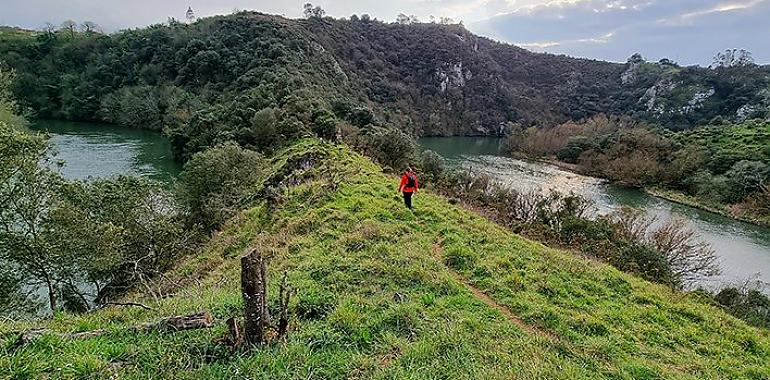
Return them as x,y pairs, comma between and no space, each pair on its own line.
387,293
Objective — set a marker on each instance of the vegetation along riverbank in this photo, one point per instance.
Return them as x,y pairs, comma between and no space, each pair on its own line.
281,251
723,168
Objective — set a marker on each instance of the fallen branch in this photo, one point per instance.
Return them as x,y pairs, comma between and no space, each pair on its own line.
201,320
145,307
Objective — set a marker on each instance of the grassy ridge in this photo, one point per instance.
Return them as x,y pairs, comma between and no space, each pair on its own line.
387,293
746,141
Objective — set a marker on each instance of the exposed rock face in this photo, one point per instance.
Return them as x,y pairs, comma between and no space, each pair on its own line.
650,97
629,76
747,111
491,130
732,58
453,76
697,100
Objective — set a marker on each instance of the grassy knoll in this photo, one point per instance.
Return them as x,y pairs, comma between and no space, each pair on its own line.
749,140
387,293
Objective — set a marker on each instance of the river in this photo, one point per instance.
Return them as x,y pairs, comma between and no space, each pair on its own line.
743,249
91,150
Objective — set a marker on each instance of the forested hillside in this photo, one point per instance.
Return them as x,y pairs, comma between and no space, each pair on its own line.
289,130
258,79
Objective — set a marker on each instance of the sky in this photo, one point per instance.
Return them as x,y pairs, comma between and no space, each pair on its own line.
687,31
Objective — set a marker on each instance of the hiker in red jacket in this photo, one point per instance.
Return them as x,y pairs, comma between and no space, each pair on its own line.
408,186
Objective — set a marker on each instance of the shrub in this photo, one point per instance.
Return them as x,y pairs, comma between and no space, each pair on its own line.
214,184
687,258
147,230
670,254
263,127
574,148
388,146
148,107
711,188
324,124
432,165
746,177
748,304
759,202
644,261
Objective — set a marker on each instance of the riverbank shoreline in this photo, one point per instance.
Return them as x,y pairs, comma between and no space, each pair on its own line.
686,200
668,195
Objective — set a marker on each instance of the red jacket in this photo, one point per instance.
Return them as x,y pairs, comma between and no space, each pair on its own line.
404,180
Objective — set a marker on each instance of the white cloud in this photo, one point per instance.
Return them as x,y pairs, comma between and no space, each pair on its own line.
690,17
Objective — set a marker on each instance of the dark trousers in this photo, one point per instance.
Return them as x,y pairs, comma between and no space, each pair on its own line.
408,199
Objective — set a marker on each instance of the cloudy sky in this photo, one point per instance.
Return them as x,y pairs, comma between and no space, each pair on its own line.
687,31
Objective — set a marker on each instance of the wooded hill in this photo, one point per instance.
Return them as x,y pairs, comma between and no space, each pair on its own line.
251,77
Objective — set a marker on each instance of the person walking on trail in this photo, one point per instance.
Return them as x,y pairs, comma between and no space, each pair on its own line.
408,186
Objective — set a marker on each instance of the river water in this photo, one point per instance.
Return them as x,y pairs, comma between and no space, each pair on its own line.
743,249
91,150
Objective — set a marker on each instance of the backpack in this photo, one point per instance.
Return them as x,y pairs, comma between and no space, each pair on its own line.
410,180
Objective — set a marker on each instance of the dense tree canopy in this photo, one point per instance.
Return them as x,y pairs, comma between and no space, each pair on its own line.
260,80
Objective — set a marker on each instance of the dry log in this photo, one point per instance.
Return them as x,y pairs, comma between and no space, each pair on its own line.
145,307
201,320
27,337
86,334
178,323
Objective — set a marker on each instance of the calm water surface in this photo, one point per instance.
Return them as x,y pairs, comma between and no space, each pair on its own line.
91,150
743,249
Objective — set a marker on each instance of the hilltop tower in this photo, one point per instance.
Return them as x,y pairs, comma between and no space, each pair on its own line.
190,15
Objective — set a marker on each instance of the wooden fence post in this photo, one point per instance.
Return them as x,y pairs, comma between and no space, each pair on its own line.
254,291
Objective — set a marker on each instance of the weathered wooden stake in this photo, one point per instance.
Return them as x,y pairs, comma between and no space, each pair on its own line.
254,291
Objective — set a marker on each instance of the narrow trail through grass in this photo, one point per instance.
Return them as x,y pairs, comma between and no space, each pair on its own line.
388,293
489,301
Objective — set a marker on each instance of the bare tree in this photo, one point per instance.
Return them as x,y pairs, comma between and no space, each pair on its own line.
49,28
633,223
90,27
689,258
69,26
